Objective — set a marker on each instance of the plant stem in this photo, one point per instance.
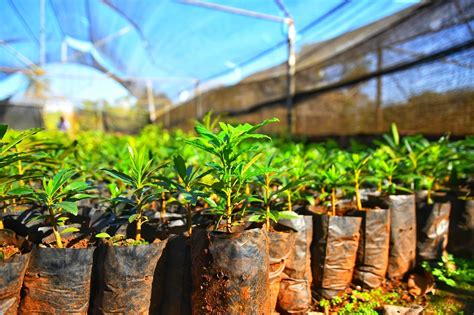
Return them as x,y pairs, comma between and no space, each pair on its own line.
57,236
268,218
290,205
20,172
163,207
428,197
229,212
189,219
333,201
267,198
138,235
358,198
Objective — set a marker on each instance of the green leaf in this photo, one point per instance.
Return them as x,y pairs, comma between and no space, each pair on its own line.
83,196
20,138
255,218
70,230
273,215
253,199
132,218
180,166
3,130
123,200
119,175
20,191
59,180
395,135
68,206
287,215
203,131
75,186
251,162
103,235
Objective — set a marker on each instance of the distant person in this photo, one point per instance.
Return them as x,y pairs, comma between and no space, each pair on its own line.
63,124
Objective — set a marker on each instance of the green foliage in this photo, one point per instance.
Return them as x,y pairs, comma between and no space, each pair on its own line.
361,302
119,240
451,271
357,167
140,180
58,196
187,187
266,178
231,166
333,178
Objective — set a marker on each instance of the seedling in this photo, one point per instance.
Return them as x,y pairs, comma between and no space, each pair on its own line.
266,180
357,166
188,187
58,196
333,178
230,169
434,166
385,172
140,180
11,161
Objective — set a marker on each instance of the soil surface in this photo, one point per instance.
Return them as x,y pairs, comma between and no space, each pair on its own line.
71,243
8,251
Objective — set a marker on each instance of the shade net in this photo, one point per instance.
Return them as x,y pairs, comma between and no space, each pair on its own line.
414,68
174,47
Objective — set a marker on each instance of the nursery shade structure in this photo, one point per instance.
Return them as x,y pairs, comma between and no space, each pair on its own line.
171,44
413,67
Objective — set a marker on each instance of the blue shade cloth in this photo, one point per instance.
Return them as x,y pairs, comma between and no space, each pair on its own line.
174,43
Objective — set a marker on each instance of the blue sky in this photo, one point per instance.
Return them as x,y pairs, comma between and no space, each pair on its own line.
175,44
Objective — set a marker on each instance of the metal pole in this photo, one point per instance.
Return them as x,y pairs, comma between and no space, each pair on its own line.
42,19
197,98
64,51
151,101
291,62
378,96
233,10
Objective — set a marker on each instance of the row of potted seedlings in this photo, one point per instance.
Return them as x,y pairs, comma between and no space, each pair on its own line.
262,222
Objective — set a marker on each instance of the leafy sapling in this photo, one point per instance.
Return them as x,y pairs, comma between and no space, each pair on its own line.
266,179
58,196
386,174
435,166
333,178
357,167
10,160
140,181
232,169
188,187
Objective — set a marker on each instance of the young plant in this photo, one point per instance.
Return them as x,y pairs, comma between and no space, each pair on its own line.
230,169
454,272
188,187
294,175
11,160
267,181
140,182
385,171
357,166
434,166
333,178
58,197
